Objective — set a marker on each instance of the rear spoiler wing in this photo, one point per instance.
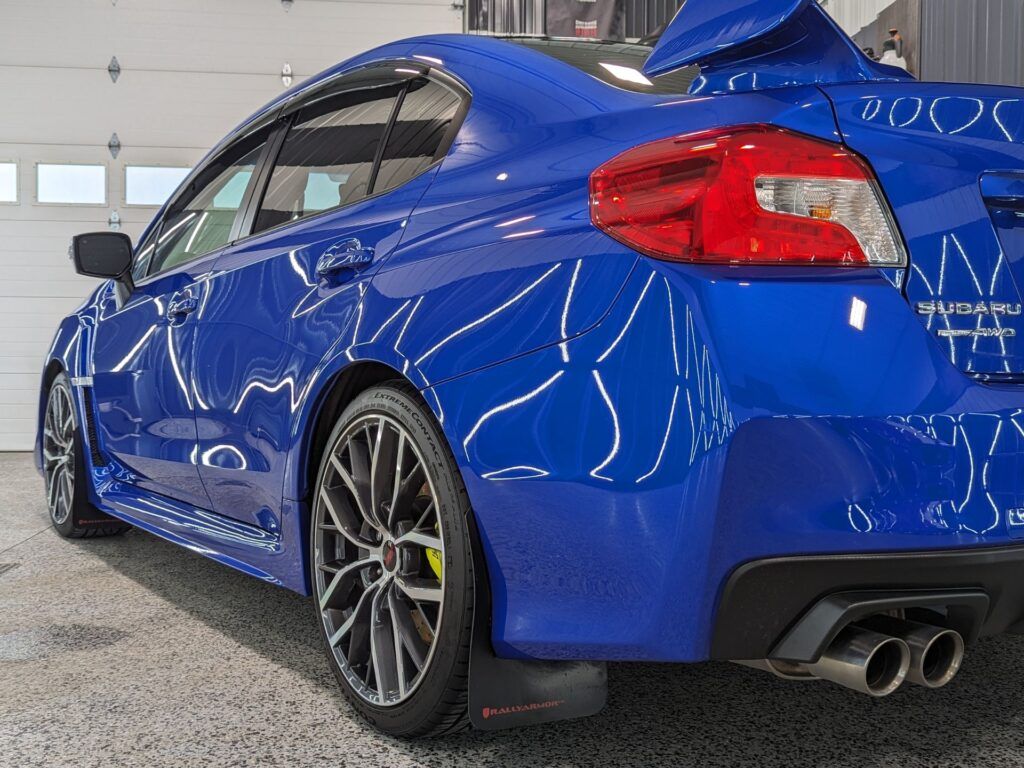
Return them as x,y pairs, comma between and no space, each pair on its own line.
751,45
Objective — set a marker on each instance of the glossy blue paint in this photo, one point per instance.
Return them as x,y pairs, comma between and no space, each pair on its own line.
932,146
749,45
629,431
141,365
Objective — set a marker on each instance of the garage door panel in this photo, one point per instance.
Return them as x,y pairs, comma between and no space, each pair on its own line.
69,288
204,106
235,36
191,71
28,382
22,364
28,348
21,312
26,399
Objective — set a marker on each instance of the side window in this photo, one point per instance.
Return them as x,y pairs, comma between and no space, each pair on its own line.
200,220
327,157
427,112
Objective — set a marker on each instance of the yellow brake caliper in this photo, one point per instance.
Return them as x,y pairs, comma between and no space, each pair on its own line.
434,556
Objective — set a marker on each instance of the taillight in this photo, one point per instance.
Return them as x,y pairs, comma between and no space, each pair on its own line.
753,195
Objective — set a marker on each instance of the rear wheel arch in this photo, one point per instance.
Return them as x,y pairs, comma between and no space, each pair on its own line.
336,395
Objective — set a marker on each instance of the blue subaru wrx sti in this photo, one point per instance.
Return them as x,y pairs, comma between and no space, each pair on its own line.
525,355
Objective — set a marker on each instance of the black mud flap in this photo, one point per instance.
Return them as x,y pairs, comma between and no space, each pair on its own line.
509,693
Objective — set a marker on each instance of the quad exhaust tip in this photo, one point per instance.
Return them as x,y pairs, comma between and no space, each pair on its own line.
877,656
936,653
864,661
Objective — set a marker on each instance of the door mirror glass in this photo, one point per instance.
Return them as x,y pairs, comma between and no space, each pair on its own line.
102,254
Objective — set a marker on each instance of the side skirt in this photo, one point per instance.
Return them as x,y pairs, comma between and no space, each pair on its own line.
278,559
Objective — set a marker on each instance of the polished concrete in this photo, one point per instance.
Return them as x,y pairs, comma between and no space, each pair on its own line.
133,652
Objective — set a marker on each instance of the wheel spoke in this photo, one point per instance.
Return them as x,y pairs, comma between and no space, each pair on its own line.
383,650
346,527
397,485
363,603
66,489
422,522
382,470
355,486
421,539
54,490
423,590
409,488
344,577
405,632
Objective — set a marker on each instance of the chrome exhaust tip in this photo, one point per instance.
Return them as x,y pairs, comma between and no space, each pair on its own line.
936,653
865,661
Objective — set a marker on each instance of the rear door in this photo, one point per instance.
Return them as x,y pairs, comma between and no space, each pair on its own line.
950,158
354,161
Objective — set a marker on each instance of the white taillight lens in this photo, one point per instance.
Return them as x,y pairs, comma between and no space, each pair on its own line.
854,204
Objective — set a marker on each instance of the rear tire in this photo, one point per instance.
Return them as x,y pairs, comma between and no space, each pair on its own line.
65,471
391,565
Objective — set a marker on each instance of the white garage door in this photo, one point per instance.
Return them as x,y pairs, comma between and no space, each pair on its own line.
190,71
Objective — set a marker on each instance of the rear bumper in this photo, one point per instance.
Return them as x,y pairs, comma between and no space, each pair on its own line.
717,418
763,602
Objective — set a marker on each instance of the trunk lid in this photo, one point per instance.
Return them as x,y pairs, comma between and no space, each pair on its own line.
950,159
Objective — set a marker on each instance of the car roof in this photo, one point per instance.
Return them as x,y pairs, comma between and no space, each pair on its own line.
482,63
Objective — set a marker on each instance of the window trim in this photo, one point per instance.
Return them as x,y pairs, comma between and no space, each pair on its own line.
106,185
17,180
171,205
338,85
174,192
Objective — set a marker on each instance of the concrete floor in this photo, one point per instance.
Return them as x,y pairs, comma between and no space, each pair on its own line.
131,651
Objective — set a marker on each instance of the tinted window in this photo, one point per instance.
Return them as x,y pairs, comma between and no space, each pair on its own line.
327,157
416,140
618,64
200,220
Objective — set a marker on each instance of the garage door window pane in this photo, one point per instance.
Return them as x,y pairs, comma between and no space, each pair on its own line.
8,183
151,185
72,184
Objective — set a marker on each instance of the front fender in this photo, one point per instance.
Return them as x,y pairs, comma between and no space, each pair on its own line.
69,352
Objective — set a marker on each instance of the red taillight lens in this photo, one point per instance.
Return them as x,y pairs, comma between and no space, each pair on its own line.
757,195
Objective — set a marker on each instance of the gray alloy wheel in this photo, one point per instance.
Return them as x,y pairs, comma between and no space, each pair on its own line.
59,454
378,548
66,473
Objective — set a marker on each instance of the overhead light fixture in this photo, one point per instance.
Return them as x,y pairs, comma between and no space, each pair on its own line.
627,74
286,75
114,69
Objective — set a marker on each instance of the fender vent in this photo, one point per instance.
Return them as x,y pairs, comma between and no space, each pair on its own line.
90,429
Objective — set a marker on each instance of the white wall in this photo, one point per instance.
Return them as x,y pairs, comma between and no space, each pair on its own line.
191,70
854,15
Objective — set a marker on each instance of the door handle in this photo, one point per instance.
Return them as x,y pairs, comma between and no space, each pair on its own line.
346,255
179,307
1003,189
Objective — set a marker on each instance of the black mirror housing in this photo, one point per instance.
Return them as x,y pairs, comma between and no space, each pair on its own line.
103,254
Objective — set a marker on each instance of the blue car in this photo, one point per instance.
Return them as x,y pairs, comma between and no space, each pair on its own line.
525,355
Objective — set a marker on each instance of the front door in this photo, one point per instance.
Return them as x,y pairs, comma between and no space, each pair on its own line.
143,345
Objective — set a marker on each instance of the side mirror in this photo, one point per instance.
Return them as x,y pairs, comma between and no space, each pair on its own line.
104,254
